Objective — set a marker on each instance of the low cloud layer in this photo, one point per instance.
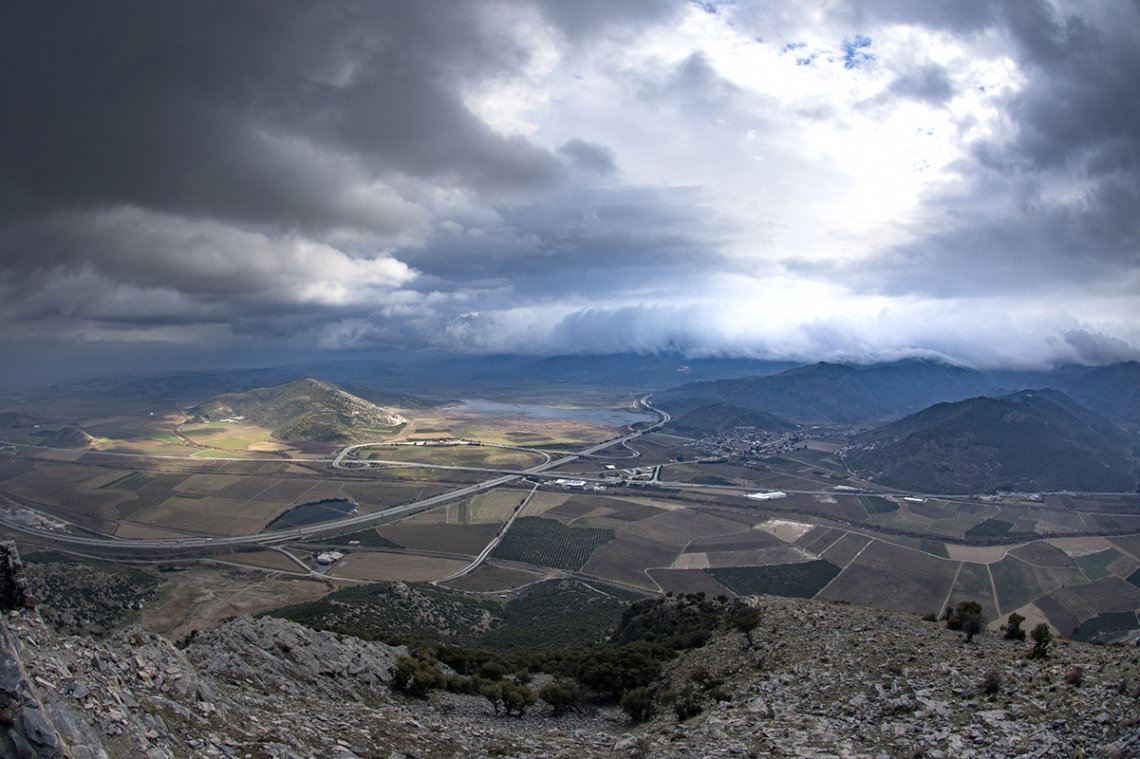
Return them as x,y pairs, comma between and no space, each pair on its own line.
861,180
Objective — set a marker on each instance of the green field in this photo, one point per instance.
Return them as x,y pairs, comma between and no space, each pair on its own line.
877,505
791,580
1108,625
547,543
456,455
367,537
991,528
1095,565
495,506
120,433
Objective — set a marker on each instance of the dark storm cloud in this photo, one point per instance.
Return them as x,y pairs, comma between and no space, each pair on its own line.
586,17
959,16
1081,97
255,111
585,241
590,156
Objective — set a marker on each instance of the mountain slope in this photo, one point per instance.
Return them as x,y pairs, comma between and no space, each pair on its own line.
68,437
1035,440
1110,390
835,393
307,409
820,680
719,417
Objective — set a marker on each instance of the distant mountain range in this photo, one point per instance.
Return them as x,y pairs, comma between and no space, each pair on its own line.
823,392
1033,440
838,394
306,409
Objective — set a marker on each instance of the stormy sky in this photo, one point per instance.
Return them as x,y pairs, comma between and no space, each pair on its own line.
188,183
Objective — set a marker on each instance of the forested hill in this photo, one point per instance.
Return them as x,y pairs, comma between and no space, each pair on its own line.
1034,440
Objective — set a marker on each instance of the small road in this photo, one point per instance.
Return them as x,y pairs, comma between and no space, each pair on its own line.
494,543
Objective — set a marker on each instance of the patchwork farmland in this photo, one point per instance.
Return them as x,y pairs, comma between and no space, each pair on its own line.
879,550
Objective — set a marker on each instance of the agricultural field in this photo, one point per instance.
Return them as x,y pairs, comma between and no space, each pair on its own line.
1017,582
891,577
1059,610
461,539
210,515
802,580
1110,594
973,583
490,457
495,507
843,551
781,554
1096,565
683,525
548,543
379,566
627,559
679,581
489,577
1042,554
819,539
877,505
1106,626
380,494
237,437
368,537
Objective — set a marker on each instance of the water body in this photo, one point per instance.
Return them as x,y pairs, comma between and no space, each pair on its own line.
601,417
312,513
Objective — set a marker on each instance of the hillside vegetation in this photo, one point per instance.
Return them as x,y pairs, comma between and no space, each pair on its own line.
307,409
68,437
719,417
1035,440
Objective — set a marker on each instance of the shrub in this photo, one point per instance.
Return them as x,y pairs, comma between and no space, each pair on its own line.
1012,628
746,620
560,696
1041,635
638,704
686,705
516,698
991,682
967,617
416,678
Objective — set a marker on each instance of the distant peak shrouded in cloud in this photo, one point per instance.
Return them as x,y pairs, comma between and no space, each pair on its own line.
859,180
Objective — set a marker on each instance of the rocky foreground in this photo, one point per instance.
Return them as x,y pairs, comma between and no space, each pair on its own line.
821,680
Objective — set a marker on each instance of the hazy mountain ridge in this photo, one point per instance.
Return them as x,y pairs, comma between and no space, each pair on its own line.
836,393
1113,391
1034,440
306,409
842,394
